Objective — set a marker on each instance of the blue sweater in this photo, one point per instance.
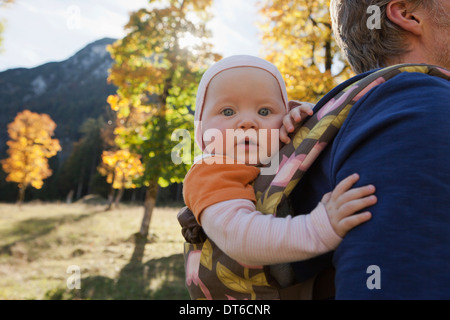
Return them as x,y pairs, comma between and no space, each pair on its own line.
397,138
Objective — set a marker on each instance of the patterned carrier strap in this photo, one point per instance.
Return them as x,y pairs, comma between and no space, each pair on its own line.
207,265
311,139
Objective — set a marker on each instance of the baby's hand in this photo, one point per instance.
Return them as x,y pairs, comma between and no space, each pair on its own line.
299,111
343,203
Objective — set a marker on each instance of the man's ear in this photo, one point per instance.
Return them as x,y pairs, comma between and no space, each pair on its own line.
400,13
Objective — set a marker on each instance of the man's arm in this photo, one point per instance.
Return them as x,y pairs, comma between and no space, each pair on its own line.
398,139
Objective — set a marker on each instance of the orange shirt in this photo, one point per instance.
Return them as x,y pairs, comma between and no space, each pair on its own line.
213,180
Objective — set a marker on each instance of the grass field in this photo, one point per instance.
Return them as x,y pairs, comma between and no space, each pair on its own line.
42,244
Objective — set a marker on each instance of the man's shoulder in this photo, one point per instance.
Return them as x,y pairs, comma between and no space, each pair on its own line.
409,110
411,81
406,92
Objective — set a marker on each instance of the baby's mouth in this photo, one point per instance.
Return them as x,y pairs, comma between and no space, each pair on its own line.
248,142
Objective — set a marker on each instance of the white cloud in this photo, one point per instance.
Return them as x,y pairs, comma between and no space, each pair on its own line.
234,27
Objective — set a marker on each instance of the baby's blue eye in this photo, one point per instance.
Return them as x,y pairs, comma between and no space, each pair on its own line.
228,112
264,112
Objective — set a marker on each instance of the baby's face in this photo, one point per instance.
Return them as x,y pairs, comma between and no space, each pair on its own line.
248,99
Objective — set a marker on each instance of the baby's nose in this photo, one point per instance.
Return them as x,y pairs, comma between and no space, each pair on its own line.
247,123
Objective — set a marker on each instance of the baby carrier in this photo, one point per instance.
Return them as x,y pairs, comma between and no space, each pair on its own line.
210,273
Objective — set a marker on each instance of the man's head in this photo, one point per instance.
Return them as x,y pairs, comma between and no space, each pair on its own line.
410,31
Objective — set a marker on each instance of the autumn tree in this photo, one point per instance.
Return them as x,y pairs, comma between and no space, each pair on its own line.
30,147
157,67
121,168
297,37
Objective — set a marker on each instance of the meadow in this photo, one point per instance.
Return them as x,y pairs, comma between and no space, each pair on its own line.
41,244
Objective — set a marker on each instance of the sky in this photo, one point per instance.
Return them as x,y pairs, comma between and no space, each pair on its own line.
41,31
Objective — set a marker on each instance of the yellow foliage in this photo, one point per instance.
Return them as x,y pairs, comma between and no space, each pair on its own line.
29,149
150,60
298,39
157,67
121,168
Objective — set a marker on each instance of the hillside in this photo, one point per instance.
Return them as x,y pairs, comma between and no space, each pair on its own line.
69,91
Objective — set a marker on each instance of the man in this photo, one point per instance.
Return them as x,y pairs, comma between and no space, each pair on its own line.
397,138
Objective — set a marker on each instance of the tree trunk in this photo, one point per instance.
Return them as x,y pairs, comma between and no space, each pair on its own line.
111,193
69,197
149,205
110,197
80,188
118,197
21,196
110,200
141,237
133,196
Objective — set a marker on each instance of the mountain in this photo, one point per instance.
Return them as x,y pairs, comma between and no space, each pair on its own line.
70,91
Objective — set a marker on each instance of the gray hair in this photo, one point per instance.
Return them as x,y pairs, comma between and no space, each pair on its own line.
365,48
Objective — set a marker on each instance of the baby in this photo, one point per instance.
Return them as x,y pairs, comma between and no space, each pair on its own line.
248,94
